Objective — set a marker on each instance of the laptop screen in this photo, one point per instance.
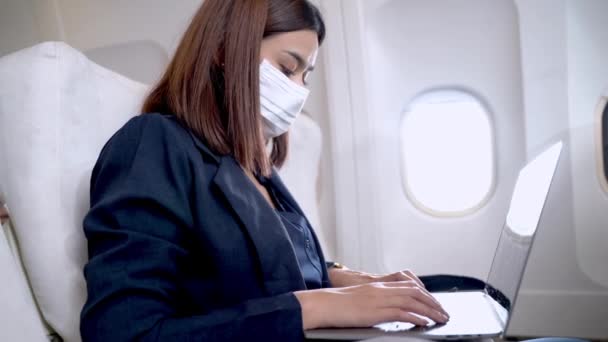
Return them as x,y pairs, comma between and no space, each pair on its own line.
517,235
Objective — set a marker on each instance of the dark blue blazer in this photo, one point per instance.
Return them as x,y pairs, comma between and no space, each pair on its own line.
182,246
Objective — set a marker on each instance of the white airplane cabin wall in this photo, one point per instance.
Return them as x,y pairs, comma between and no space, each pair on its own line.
564,76
539,68
587,86
395,51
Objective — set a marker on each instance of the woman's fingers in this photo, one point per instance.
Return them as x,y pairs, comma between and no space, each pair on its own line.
402,276
397,295
370,304
415,277
411,318
395,314
404,285
411,304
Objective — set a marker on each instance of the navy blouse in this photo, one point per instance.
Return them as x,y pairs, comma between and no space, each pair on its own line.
301,237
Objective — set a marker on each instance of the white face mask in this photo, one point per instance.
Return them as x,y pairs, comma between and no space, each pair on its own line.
281,100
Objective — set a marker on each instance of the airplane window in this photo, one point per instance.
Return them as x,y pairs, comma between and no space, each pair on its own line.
447,153
605,139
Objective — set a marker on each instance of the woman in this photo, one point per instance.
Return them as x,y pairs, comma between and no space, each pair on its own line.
191,233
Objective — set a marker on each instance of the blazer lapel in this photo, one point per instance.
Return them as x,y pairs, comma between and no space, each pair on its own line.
274,249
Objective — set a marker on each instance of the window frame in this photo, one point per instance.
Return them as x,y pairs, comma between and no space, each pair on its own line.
494,160
602,107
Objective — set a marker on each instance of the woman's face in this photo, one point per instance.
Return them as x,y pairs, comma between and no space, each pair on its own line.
294,53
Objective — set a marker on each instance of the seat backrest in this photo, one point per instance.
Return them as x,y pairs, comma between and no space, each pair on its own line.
57,109
19,314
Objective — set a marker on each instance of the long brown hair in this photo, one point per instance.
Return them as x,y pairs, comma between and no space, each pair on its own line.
212,82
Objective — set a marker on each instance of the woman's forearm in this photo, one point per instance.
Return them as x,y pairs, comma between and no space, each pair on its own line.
367,305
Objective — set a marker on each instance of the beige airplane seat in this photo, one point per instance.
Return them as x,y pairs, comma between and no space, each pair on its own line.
57,109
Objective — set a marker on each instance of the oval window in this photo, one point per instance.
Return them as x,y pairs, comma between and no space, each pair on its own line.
447,153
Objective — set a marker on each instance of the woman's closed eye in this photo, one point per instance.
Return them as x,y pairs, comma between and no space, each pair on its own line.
290,73
287,72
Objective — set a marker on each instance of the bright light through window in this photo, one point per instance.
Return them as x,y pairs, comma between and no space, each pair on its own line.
447,153
531,191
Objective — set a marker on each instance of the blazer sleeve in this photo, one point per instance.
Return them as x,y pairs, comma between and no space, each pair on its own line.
137,232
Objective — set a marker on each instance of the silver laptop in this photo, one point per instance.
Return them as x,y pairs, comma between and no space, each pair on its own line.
481,314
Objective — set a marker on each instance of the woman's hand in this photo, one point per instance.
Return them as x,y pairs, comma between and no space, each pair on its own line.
369,304
343,277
